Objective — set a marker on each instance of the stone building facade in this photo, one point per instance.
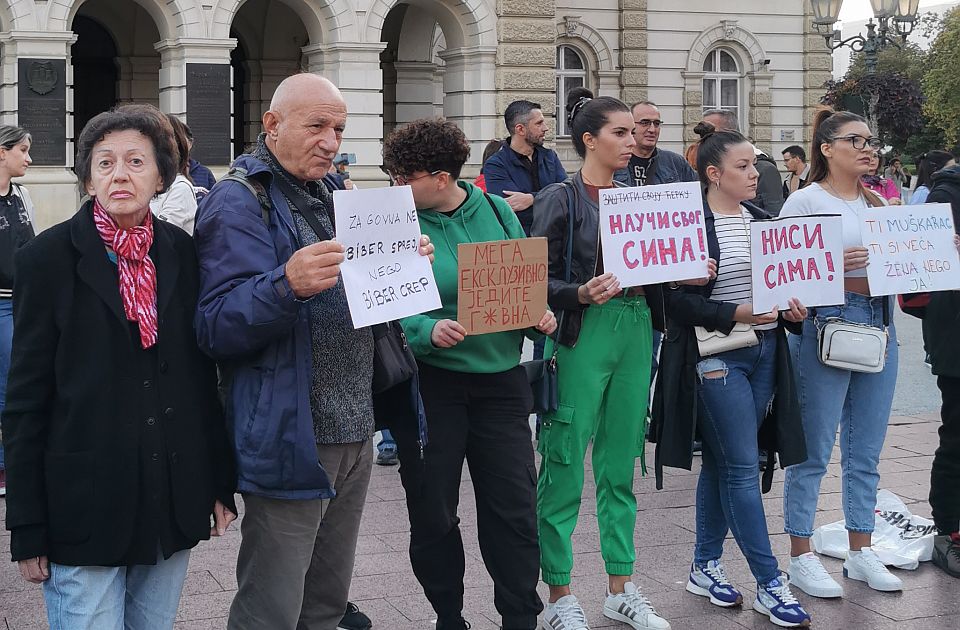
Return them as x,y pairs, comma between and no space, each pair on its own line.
216,62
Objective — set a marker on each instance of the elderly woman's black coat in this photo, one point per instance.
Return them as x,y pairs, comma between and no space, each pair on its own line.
90,415
675,401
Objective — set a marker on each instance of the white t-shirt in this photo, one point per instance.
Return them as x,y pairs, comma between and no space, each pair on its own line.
178,205
815,200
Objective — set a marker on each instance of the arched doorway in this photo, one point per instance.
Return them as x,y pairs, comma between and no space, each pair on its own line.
270,36
439,60
114,60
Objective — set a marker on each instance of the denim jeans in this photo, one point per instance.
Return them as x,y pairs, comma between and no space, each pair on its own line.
856,402
6,338
735,389
141,597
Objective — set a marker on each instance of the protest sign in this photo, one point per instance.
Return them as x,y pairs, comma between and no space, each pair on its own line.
911,249
653,234
501,285
796,257
384,275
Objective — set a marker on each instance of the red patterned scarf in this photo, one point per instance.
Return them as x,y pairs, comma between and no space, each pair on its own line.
138,274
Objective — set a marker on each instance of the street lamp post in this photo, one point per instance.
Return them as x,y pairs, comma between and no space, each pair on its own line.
894,20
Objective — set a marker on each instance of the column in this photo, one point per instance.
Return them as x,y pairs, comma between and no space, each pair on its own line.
817,70
470,98
526,55
355,69
633,50
36,92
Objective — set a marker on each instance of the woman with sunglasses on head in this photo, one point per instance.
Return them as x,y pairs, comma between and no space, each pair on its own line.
603,364
857,402
736,399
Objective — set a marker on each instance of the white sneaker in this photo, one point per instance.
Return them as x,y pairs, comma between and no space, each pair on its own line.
807,574
867,567
564,614
633,609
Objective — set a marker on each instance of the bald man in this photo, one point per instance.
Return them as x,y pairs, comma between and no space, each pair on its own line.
297,374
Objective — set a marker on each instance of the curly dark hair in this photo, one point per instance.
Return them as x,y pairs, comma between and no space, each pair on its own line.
428,144
146,119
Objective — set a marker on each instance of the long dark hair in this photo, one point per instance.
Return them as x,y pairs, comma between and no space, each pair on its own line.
586,114
929,163
826,125
713,147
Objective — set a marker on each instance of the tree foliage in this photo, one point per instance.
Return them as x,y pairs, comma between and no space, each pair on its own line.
941,81
891,102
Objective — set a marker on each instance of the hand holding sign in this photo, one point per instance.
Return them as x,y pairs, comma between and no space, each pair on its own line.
599,290
314,268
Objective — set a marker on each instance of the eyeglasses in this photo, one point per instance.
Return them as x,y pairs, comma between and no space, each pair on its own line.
403,180
859,142
647,122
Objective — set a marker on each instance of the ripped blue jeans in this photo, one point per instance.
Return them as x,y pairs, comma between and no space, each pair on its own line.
735,389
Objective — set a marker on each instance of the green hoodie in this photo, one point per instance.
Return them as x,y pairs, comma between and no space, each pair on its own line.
472,222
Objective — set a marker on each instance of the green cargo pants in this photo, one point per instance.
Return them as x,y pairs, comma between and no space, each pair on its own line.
604,382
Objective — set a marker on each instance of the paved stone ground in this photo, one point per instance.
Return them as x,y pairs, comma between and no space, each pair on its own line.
386,589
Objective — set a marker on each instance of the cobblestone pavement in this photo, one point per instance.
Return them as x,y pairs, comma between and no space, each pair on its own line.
385,588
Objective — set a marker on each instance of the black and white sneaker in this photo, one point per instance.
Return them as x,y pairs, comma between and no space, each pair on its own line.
353,619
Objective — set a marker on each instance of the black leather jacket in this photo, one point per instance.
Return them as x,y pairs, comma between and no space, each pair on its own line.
550,220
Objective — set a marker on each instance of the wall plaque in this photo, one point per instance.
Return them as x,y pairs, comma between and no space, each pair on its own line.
208,112
42,108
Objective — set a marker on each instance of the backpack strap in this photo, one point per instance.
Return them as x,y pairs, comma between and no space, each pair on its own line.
496,213
257,189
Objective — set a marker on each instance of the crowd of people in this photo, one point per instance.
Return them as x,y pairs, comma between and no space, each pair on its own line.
168,353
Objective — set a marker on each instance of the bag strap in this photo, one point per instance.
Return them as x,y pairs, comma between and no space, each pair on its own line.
567,262
497,214
240,175
300,207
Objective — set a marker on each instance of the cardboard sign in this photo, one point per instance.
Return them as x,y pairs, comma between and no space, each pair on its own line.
501,285
384,275
653,234
911,249
796,257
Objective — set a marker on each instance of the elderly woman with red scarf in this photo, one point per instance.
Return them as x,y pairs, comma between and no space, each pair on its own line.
117,456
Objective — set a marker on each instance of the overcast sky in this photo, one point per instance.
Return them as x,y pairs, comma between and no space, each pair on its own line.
861,9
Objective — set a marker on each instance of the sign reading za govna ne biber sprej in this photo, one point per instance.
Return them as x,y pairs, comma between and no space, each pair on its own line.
501,285
911,249
383,273
653,234
796,257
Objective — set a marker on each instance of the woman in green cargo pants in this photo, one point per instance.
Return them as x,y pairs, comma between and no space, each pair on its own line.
604,374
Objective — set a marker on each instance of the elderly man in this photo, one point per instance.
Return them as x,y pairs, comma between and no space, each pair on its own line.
523,166
298,376
769,187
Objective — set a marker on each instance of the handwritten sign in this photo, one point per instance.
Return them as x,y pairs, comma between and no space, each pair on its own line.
911,249
501,285
384,275
653,234
797,257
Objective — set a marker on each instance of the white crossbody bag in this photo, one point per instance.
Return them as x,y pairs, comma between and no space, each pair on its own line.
712,342
855,347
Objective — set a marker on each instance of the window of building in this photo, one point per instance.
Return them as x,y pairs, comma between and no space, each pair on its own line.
721,81
571,73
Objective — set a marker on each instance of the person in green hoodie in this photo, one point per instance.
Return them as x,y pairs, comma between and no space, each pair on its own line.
476,396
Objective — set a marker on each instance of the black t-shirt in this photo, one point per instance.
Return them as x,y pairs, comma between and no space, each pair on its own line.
639,168
533,169
15,231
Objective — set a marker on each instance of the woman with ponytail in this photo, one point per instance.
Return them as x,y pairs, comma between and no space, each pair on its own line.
857,403
603,358
737,401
